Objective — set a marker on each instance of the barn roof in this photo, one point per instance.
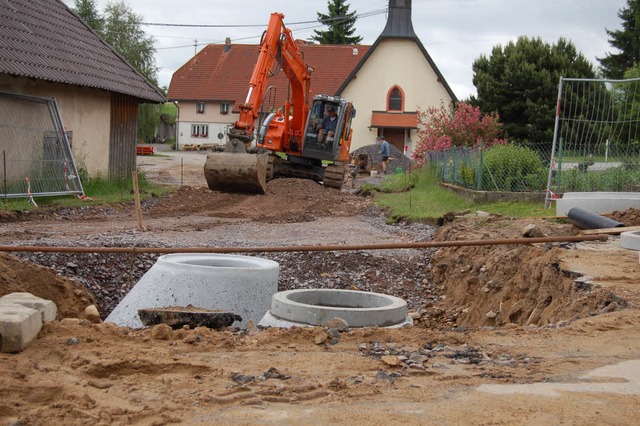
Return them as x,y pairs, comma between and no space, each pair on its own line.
45,40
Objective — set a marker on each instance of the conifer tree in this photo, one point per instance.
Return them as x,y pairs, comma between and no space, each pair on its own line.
340,22
626,41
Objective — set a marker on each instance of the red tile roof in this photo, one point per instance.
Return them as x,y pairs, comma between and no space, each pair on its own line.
45,40
394,119
217,75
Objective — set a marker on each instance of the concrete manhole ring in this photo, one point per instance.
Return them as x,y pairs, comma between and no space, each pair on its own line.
242,285
318,306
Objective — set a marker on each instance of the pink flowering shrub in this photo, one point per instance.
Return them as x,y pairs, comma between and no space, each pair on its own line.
443,128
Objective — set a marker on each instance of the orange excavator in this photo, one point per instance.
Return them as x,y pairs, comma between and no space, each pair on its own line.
296,140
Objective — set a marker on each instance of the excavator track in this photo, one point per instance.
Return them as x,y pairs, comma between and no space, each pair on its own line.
271,159
334,176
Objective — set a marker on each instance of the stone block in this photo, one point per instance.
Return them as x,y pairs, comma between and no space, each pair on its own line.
19,326
46,307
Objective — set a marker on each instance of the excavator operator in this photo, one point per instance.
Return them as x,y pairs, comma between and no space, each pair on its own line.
328,126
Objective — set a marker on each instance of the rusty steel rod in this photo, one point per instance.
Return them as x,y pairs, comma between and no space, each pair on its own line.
429,244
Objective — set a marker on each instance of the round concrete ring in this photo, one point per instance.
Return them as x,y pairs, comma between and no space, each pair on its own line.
357,308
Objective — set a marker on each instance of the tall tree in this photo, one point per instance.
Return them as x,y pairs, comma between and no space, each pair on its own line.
520,82
121,28
88,11
626,40
123,31
340,22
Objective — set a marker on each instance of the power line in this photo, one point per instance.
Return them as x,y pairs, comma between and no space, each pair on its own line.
316,24
329,20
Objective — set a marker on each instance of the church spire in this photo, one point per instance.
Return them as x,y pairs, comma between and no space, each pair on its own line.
399,21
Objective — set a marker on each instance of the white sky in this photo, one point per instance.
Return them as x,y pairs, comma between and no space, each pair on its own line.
454,32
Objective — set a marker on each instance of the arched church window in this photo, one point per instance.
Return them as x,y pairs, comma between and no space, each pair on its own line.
395,99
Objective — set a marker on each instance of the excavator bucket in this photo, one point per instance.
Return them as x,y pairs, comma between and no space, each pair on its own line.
236,172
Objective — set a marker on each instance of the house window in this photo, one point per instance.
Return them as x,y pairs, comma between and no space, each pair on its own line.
200,130
395,99
224,108
200,107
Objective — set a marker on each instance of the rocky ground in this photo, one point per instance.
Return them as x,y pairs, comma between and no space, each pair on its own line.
485,316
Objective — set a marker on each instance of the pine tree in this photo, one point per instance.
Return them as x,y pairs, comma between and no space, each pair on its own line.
626,40
341,25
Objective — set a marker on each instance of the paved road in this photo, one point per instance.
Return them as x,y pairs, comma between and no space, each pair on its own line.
601,166
174,167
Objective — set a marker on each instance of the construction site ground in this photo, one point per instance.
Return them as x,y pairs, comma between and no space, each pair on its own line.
503,334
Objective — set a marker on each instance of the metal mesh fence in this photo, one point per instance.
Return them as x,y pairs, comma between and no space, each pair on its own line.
36,157
507,168
596,145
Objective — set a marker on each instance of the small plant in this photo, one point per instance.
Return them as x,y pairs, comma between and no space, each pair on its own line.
468,175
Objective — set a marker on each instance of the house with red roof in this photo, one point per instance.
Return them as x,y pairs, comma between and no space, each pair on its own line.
48,51
387,83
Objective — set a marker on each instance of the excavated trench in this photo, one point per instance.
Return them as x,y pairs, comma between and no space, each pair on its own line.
449,287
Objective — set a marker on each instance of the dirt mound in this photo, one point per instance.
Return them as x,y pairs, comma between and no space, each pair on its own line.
397,159
523,284
70,296
629,217
286,200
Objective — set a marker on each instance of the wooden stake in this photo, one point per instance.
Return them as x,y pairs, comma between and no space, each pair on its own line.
610,231
136,194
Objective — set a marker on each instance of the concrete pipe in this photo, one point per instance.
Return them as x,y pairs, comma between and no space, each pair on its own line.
242,285
319,306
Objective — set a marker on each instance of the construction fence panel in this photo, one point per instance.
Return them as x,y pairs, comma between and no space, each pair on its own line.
35,152
596,145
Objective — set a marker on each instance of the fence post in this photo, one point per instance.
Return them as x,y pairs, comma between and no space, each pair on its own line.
553,144
4,173
479,167
559,164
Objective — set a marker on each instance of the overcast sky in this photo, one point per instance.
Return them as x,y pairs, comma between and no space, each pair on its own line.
454,32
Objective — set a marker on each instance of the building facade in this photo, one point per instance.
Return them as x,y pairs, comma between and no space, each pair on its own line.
387,82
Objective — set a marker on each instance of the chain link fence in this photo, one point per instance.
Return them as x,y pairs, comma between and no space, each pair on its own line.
596,147
504,168
524,168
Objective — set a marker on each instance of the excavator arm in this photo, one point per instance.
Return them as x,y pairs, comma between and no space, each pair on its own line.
279,46
236,169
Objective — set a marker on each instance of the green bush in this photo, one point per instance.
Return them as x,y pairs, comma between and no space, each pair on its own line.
512,168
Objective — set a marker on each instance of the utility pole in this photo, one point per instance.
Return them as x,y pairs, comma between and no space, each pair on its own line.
195,47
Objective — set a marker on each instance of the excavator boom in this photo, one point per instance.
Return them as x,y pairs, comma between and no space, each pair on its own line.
237,169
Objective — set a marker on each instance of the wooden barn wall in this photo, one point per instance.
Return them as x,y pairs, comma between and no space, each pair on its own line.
124,133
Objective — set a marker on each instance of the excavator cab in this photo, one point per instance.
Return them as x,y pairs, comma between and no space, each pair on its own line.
328,128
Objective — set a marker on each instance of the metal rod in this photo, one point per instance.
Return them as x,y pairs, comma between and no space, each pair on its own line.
430,244
4,174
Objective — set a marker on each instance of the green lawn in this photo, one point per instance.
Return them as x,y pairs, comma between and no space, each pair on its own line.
427,201
98,191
